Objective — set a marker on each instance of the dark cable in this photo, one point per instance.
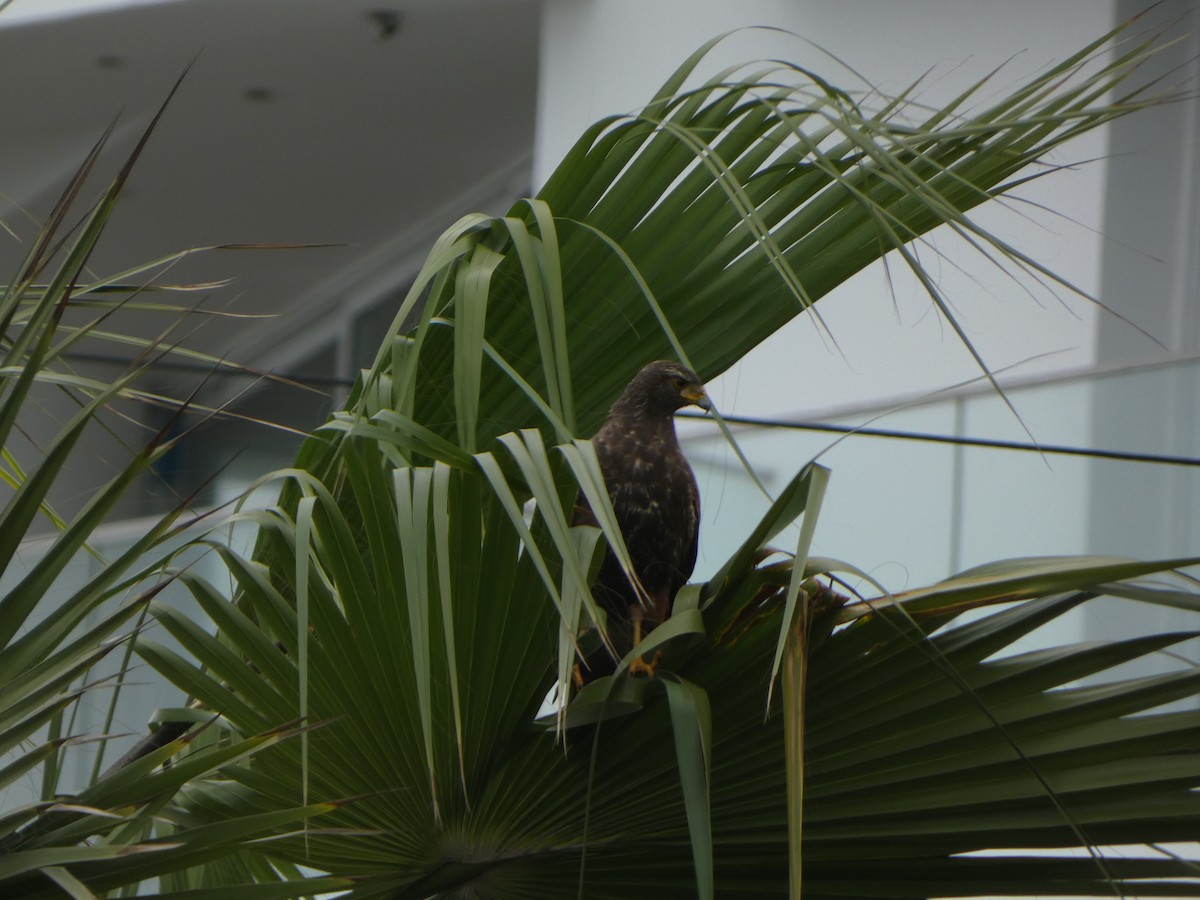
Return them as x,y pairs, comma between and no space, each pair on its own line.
1061,449
1058,449
210,372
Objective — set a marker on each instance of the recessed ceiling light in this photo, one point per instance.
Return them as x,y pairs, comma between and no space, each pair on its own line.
388,21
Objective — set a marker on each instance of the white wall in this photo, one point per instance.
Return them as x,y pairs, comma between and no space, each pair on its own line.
20,12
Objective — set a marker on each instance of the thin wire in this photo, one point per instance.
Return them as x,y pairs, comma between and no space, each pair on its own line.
171,365
1123,456
928,437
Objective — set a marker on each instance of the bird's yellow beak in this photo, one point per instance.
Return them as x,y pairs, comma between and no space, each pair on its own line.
696,395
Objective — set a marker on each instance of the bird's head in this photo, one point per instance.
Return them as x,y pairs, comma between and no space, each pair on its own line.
661,388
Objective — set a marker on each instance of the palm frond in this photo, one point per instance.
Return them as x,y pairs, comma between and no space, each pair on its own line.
419,591
60,631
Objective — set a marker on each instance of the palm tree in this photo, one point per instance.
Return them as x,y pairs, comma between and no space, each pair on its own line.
418,591
66,638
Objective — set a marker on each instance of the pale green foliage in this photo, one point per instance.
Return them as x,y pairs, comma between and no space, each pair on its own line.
58,632
419,588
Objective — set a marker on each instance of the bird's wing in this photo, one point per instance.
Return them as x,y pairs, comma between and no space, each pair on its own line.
692,519
582,514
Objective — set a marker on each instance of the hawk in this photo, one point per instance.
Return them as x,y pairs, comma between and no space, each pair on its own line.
657,505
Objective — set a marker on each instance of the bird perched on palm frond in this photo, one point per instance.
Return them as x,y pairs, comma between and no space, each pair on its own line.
657,505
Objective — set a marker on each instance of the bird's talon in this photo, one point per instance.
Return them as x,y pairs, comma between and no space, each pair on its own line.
639,666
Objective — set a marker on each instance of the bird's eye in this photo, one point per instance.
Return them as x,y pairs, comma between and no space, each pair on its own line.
679,383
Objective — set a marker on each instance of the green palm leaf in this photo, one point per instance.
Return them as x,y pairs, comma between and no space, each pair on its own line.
60,632
419,590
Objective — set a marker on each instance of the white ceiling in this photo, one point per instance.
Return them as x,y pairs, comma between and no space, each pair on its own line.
343,122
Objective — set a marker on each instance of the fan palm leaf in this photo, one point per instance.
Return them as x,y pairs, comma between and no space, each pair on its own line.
60,633
418,589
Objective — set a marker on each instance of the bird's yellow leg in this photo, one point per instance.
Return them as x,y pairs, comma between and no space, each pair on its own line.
639,666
